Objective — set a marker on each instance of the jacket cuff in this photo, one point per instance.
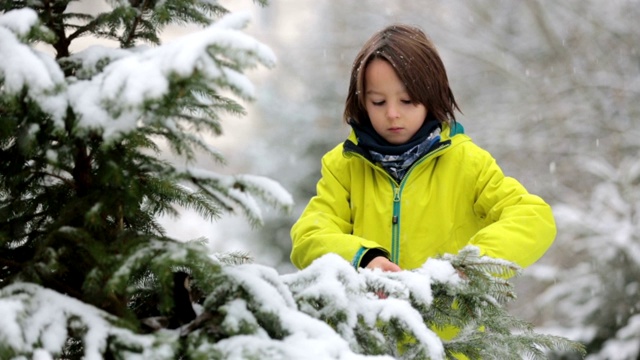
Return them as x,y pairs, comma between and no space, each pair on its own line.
364,256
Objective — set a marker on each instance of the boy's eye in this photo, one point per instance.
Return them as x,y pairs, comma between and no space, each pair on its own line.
382,102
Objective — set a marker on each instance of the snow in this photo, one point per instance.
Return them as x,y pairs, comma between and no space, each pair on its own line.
143,73
294,347
237,313
41,354
38,325
19,21
113,99
340,287
11,331
271,187
24,67
89,59
441,271
342,290
42,319
36,318
236,187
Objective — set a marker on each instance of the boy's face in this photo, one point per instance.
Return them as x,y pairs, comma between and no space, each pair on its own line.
392,113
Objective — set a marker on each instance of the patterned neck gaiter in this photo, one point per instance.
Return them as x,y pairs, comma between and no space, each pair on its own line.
397,159
397,165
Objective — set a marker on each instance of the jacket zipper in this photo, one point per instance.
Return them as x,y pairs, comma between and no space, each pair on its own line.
397,194
395,223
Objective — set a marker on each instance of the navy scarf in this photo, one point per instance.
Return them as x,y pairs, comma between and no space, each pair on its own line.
369,139
397,159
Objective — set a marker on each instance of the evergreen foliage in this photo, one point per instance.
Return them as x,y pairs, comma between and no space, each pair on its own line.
597,302
86,271
81,181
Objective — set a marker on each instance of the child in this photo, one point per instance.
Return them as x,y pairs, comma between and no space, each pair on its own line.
408,184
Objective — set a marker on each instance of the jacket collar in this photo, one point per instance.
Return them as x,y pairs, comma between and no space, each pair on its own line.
448,132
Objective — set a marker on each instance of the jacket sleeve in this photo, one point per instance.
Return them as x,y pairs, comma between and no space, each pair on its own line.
325,226
519,226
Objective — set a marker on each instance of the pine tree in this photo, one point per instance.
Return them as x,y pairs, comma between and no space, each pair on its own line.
86,271
81,180
595,295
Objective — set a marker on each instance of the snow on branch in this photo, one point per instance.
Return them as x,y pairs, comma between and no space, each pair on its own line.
19,21
23,67
115,99
329,310
239,191
37,320
592,294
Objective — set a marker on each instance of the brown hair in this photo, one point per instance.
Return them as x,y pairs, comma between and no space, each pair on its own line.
418,65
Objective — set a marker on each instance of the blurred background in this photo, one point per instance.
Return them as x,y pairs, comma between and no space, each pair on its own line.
550,88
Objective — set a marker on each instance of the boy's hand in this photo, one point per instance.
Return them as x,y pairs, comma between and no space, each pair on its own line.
384,264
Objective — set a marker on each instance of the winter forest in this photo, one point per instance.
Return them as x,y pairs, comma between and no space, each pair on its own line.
155,154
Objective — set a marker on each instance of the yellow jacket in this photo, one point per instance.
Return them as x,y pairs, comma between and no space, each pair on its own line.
454,196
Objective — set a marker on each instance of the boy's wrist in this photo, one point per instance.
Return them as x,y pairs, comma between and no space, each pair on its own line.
370,255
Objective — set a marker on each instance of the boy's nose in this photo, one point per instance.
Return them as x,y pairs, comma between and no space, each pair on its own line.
392,112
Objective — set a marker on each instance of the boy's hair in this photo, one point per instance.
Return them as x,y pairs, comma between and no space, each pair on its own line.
417,64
